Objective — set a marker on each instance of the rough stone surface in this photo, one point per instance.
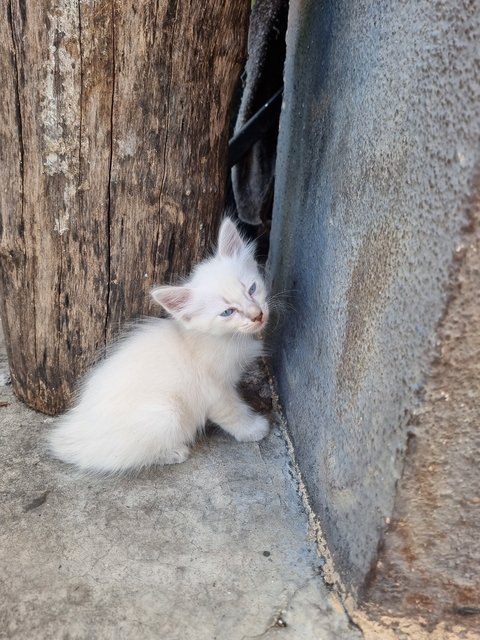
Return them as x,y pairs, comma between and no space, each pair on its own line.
429,563
378,152
214,548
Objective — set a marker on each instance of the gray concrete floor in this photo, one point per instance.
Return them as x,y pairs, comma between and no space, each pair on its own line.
214,548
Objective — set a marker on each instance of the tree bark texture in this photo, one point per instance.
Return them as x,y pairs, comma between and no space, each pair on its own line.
114,127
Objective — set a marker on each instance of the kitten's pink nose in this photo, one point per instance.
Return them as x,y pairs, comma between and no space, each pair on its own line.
259,318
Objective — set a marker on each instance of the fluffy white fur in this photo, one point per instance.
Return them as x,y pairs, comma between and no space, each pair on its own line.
147,401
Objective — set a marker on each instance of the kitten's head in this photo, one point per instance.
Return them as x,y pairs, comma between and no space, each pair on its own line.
225,294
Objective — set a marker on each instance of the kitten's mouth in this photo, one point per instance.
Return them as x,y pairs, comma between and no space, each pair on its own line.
257,324
254,329
258,327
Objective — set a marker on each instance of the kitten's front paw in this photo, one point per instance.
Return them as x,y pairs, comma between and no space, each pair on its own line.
256,430
175,456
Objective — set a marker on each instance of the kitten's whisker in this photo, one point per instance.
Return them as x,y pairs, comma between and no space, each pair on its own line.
284,292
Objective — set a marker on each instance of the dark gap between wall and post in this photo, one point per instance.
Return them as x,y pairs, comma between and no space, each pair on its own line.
255,124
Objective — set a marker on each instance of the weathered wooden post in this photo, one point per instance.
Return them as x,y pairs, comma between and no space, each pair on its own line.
113,140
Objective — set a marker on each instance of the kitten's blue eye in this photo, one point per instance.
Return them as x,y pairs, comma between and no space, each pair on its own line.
252,289
227,312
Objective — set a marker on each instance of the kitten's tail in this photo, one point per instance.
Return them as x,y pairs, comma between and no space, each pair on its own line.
107,446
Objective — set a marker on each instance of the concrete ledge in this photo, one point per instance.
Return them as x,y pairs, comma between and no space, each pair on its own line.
214,548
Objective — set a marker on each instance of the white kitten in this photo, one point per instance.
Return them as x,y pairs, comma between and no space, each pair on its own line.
146,402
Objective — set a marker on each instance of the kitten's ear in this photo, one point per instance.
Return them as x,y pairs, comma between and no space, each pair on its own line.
230,242
173,299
